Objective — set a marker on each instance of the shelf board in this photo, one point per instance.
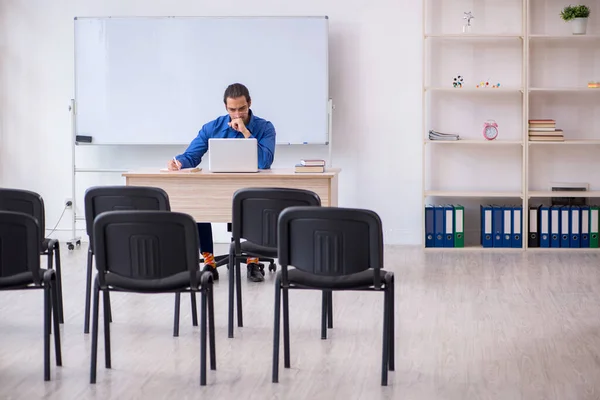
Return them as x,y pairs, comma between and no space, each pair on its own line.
562,249
476,248
548,193
476,141
573,90
457,193
474,36
564,37
566,142
474,90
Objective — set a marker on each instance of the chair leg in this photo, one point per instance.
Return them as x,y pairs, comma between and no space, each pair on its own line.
324,309
211,329
231,293
61,314
286,329
176,314
238,282
88,291
385,351
392,334
194,309
57,351
330,310
106,302
107,294
203,339
276,330
47,333
94,357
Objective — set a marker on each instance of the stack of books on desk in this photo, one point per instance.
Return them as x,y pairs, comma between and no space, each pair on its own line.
434,135
310,166
544,130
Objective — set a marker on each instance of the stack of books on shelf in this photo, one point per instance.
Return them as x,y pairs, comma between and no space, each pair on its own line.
564,226
444,225
544,130
310,166
434,135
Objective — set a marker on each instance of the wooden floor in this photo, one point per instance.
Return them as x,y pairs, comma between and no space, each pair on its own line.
469,325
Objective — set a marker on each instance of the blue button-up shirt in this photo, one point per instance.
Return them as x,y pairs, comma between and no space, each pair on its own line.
261,129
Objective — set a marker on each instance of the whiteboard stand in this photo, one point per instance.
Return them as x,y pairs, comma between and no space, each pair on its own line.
330,108
75,240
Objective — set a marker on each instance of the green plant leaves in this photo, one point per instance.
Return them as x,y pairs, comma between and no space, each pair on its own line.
571,12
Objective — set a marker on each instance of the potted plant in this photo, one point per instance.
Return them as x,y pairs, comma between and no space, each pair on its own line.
578,16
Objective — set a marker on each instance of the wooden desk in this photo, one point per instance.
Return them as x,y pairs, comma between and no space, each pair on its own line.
207,196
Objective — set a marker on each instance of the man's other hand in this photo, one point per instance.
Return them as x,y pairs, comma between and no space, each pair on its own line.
238,125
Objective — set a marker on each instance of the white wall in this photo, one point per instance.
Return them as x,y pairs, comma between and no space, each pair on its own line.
375,67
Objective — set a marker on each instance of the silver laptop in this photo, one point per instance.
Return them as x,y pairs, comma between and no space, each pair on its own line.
232,155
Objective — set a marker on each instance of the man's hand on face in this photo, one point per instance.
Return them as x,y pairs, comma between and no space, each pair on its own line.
238,125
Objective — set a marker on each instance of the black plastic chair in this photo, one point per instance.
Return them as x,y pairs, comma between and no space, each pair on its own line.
114,198
20,270
149,252
32,204
331,249
255,212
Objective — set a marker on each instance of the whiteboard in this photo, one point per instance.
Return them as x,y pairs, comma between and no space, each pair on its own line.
157,80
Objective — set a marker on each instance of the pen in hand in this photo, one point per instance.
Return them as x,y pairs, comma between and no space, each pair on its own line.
176,163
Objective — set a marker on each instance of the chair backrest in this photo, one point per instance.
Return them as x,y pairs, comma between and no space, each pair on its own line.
99,199
27,202
20,245
330,241
256,210
145,244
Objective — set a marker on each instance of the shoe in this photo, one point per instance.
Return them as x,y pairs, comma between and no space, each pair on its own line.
254,273
213,270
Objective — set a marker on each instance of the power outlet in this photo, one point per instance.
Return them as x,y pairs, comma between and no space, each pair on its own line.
68,203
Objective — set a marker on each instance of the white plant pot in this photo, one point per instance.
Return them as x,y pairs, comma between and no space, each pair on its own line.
579,26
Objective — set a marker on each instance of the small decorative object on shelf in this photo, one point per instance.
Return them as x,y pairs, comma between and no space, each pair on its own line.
577,16
458,82
490,129
467,27
486,84
594,85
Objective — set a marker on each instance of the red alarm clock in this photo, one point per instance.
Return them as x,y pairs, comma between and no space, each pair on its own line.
490,129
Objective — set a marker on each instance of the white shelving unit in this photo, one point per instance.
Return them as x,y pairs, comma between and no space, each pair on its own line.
543,71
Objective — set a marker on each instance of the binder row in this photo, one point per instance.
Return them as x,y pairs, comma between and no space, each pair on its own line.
501,226
563,226
444,226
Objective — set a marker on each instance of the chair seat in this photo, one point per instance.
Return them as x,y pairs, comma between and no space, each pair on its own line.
20,280
257,250
179,281
359,280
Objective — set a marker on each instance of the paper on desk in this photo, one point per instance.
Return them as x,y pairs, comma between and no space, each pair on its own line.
183,170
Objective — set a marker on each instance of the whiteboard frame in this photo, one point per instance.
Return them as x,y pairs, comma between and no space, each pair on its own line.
327,99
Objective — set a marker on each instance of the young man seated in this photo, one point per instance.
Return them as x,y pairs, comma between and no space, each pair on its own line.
239,123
